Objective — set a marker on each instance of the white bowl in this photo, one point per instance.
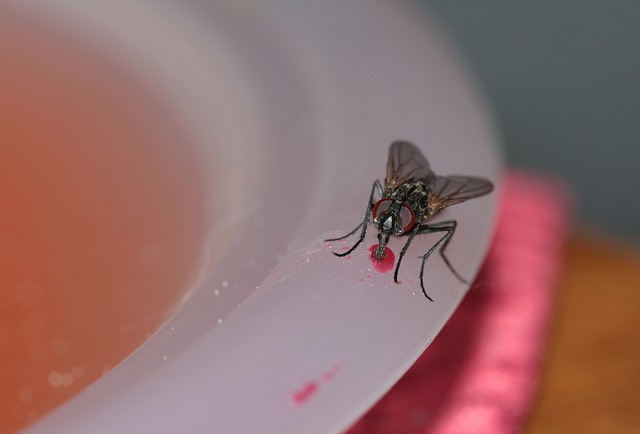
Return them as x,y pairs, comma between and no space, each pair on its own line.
293,106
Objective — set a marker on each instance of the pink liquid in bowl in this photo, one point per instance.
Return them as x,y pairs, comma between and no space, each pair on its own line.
102,215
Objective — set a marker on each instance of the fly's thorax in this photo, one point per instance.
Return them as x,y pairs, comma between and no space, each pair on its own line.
416,195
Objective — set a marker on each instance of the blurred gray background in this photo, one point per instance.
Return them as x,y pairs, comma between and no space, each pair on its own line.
564,81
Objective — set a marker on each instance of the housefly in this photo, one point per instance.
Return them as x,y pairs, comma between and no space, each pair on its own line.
411,197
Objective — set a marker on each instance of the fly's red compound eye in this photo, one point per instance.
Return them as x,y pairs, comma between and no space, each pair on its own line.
380,207
408,217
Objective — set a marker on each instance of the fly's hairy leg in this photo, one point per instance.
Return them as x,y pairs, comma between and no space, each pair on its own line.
363,224
449,227
403,251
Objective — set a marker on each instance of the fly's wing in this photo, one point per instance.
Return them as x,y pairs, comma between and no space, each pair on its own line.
406,163
450,190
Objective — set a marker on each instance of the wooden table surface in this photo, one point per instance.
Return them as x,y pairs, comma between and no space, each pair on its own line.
591,375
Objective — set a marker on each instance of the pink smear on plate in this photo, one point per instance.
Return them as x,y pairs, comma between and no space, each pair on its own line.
301,395
308,389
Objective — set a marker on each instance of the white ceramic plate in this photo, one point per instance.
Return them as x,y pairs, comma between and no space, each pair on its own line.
293,105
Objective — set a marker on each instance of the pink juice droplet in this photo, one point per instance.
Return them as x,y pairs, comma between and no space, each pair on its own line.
385,264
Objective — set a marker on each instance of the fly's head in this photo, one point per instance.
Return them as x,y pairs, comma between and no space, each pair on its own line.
390,217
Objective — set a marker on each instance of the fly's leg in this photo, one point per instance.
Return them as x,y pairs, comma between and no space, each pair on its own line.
449,227
363,224
403,251
345,236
